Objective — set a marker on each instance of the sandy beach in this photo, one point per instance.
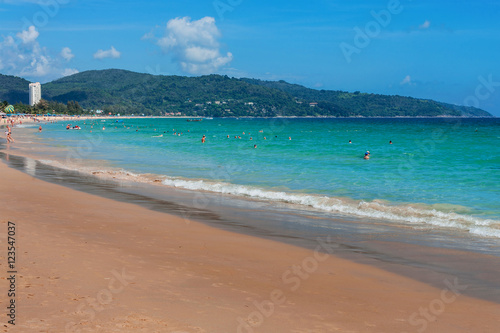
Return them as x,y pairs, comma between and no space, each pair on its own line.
91,264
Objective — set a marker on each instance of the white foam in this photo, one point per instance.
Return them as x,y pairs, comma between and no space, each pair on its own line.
376,210
419,217
25,125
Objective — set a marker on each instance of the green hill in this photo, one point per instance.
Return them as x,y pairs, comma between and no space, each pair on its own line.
374,105
125,92
14,89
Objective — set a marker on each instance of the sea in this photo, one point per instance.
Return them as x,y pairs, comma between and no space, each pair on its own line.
442,172
430,189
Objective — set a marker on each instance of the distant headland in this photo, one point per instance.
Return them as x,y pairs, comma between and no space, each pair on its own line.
124,92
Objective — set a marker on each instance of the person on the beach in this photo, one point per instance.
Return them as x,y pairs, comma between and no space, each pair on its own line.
203,139
9,135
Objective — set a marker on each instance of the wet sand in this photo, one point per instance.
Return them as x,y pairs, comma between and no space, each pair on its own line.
94,264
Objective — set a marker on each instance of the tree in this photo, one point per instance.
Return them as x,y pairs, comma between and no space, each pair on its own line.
41,107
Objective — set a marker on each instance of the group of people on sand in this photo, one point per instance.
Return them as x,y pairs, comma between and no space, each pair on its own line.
18,120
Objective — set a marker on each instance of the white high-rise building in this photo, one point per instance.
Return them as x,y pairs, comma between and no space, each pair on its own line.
35,93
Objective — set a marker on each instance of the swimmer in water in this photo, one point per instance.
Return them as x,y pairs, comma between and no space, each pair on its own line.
203,139
350,141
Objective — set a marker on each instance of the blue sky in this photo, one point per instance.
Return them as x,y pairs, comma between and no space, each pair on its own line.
443,50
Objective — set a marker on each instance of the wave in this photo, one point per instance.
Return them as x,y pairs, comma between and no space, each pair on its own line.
407,213
26,125
414,215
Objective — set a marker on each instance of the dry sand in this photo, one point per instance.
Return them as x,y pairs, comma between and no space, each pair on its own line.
89,264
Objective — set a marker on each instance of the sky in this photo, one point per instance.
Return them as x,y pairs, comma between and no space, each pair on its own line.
447,50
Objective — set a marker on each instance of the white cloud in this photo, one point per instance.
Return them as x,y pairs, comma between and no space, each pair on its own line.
407,80
69,71
28,36
8,41
23,56
425,25
66,53
193,44
111,53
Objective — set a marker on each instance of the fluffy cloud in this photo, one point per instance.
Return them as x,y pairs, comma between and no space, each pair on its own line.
66,54
111,53
193,44
24,56
425,25
28,36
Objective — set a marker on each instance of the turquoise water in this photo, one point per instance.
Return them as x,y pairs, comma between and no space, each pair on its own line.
437,172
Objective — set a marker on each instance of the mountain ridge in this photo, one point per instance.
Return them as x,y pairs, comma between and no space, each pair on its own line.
127,92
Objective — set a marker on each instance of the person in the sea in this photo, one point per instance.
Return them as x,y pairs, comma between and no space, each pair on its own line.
40,128
350,141
367,155
203,139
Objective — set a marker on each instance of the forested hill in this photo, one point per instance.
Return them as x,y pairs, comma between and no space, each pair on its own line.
373,104
14,89
125,92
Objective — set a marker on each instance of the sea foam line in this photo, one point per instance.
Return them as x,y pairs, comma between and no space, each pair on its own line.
404,213
374,210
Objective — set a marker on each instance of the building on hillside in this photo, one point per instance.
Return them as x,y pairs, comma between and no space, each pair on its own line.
35,93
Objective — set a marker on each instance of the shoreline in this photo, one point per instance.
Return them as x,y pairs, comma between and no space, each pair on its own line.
403,213
394,249
193,277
